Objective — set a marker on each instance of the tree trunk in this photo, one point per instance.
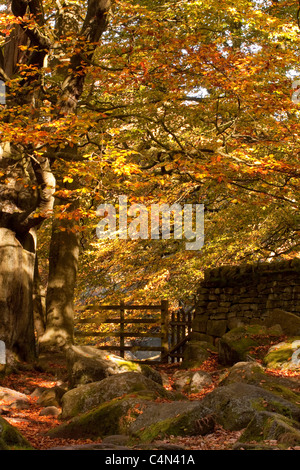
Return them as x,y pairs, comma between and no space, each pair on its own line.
17,259
39,309
63,265
21,211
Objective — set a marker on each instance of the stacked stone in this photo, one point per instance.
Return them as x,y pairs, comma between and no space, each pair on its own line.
230,296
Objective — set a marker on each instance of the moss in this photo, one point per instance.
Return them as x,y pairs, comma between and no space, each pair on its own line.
250,373
11,438
243,345
272,406
3,445
178,426
279,356
238,343
142,368
186,423
151,373
282,392
266,425
128,365
109,418
88,423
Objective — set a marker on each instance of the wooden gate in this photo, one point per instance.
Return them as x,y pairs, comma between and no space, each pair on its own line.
161,322
174,329
180,332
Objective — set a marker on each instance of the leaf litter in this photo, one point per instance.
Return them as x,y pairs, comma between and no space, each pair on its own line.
34,427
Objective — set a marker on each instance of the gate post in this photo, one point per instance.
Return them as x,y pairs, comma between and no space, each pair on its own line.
165,330
122,342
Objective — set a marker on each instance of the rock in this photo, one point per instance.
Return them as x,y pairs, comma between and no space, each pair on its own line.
50,411
112,417
216,328
246,372
237,344
254,373
195,336
232,406
190,381
253,446
87,364
197,352
91,446
11,438
234,323
272,426
116,439
165,379
177,419
13,399
235,405
85,397
284,355
158,445
289,322
139,417
38,391
48,398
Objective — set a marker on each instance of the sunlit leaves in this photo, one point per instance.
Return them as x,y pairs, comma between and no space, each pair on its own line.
182,101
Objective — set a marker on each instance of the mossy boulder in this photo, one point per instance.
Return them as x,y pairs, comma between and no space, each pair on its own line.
11,438
109,418
196,353
186,422
272,426
235,405
138,416
254,373
239,343
284,355
87,364
85,397
145,419
191,381
289,322
247,372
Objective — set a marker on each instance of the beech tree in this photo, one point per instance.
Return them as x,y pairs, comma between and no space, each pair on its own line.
163,101
34,46
201,94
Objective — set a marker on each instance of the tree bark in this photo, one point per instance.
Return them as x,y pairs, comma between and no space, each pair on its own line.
63,266
21,212
16,287
39,308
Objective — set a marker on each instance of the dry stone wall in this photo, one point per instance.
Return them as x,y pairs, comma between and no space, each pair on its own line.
231,296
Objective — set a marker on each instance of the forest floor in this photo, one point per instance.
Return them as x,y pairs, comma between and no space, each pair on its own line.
34,427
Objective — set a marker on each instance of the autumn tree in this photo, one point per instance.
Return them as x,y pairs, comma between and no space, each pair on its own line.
199,100
163,101
40,39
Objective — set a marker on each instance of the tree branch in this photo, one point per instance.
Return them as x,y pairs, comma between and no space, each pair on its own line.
23,221
94,25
